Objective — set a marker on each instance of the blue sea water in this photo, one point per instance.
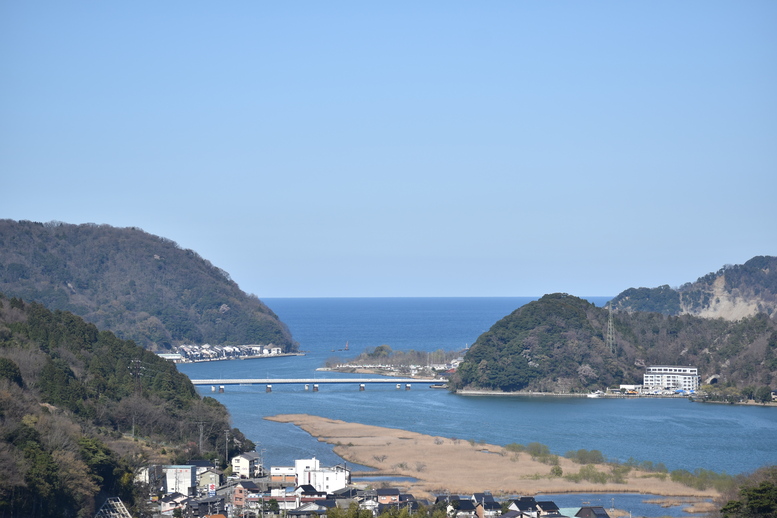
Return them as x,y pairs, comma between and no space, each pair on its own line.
681,434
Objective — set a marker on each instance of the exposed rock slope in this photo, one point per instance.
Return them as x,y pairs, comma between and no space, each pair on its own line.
731,293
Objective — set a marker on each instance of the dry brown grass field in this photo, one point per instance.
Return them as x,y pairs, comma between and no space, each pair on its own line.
444,464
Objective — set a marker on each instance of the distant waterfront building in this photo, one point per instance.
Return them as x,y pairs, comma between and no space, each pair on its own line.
173,357
671,377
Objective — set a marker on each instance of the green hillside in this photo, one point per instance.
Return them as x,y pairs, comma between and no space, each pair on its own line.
142,287
81,409
558,343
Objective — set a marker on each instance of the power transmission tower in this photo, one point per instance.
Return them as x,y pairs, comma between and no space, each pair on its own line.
137,372
610,331
136,367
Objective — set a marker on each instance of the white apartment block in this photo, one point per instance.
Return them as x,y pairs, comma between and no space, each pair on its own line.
247,465
310,472
672,377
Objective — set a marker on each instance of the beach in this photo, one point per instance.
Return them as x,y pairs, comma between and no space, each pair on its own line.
453,465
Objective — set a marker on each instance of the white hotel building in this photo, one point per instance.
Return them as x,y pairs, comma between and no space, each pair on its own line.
672,377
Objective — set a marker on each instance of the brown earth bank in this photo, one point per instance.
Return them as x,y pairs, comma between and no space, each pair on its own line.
442,464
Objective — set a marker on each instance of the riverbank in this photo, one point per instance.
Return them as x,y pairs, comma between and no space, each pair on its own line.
439,464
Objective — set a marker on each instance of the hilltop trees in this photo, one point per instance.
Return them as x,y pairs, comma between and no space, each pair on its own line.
558,343
142,287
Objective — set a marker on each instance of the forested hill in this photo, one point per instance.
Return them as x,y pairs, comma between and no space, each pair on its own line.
140,286
731,293
558,343
81,410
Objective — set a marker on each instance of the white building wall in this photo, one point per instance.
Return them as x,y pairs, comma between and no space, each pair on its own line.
672,376
180,478
329,479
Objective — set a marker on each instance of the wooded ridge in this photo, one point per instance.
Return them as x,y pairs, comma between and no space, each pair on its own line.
142,287
81,410
558,344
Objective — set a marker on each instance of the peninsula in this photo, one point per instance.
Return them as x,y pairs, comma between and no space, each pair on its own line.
439,464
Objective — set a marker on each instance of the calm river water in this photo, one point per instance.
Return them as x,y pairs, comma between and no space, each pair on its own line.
681,434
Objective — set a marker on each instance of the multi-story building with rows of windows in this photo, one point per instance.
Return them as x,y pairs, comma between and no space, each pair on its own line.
671,377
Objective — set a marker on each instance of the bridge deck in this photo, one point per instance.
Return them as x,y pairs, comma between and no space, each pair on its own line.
307,381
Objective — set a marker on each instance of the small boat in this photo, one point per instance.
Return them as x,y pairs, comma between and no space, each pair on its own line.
593,395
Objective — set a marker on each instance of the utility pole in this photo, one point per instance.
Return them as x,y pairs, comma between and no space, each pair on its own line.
201,423
226,447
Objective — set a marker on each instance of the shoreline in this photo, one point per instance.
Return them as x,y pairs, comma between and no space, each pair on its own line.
439,464
246,357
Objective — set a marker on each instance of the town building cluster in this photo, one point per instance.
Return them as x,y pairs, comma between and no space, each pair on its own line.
209,353
308,490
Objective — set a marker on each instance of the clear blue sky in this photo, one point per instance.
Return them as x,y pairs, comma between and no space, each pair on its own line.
403,148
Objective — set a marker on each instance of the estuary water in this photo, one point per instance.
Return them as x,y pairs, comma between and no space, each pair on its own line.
681,434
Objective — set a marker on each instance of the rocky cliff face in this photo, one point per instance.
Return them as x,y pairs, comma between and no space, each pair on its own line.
732,293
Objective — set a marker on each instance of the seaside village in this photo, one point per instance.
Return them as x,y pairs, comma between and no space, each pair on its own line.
309,490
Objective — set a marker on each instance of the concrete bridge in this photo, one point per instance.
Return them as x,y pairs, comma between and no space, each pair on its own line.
305,381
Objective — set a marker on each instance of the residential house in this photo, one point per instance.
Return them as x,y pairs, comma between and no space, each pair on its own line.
311,509
200,507
346,493
242,490
464,508
247,465
547,509
308,493
486,505
387,495
210,480
170,502
526,505
592,512
201,464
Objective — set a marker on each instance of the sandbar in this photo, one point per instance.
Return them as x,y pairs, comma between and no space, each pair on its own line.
441,464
